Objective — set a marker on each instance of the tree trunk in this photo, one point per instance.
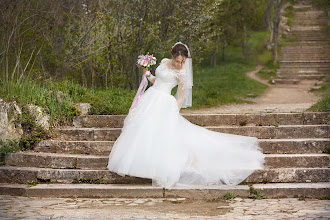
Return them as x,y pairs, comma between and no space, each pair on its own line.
224,50
277,18
244,42
215,53
267,14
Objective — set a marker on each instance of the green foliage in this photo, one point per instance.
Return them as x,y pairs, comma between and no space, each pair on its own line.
324,104
288,13
301,199
229,195
326,150
267,74
7,146
256,194
225,84
45,95
322,4
96,47
87,180
242,123
32,132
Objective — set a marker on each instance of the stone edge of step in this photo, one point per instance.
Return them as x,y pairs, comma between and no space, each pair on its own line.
271,190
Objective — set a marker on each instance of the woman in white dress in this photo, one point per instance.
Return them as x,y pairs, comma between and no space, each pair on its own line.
158,143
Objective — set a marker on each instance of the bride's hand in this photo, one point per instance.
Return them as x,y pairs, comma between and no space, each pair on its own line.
144,70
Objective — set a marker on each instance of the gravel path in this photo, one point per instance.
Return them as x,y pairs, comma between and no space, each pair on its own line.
277,98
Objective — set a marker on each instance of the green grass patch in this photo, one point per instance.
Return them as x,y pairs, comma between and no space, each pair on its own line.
227,83
7,147
256,194
87,180
267,74
288,13
229,195
324,104
57,98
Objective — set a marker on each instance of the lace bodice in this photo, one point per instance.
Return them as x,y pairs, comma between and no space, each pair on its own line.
166,77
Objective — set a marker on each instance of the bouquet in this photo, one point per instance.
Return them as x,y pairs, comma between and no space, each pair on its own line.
146,61
143,61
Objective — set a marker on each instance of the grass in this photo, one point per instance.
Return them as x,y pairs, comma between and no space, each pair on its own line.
7,147
226,83
229,195
256,194
288,13
57,98
324,104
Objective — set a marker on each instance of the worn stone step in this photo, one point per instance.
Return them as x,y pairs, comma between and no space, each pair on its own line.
46,175
269,146
290,57
302,65
117,121
286,81
304,69
70,161
262,132
303,76
300,72
270,190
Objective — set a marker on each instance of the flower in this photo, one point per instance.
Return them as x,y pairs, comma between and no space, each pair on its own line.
146,61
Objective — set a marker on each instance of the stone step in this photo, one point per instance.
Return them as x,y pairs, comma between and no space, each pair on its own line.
261,132
304,69
300,72
309,118
46,175
309,62
304,65
286,81
307,28
275,190
259,119
303,77
308,43
269,146
70,161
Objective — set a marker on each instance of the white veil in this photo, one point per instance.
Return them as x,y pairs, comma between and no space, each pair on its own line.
187,100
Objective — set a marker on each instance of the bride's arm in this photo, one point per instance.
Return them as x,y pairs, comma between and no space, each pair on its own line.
149,76
180,92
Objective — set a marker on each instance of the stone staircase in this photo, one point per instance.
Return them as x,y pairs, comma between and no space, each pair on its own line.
73,163
306,55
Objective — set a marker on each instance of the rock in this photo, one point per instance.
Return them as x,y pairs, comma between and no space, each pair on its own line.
42,119
9,128
83,107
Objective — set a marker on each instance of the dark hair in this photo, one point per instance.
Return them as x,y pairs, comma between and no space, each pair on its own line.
178,50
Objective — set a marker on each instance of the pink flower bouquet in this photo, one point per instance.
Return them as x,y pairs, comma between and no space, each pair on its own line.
146,61
143,61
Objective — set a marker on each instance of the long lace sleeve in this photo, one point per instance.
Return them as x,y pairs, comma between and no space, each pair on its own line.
151,77
181,79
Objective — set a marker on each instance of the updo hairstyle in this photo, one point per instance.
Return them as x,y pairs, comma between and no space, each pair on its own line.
178,50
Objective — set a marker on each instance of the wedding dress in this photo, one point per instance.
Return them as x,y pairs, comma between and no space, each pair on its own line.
156,142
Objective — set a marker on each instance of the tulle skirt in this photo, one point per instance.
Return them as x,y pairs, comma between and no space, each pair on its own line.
158,143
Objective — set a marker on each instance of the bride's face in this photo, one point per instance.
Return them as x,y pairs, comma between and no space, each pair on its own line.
178,61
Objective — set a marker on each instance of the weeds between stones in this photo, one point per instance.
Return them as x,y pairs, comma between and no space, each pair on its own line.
87,180
229,195
256,194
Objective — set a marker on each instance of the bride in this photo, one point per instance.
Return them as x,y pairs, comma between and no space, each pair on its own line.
156,142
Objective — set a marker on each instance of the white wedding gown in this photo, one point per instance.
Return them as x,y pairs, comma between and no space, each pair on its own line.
158,143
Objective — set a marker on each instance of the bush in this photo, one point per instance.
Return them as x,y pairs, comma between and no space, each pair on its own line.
7,147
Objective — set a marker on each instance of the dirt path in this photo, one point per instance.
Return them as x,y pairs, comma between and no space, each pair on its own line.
277,98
